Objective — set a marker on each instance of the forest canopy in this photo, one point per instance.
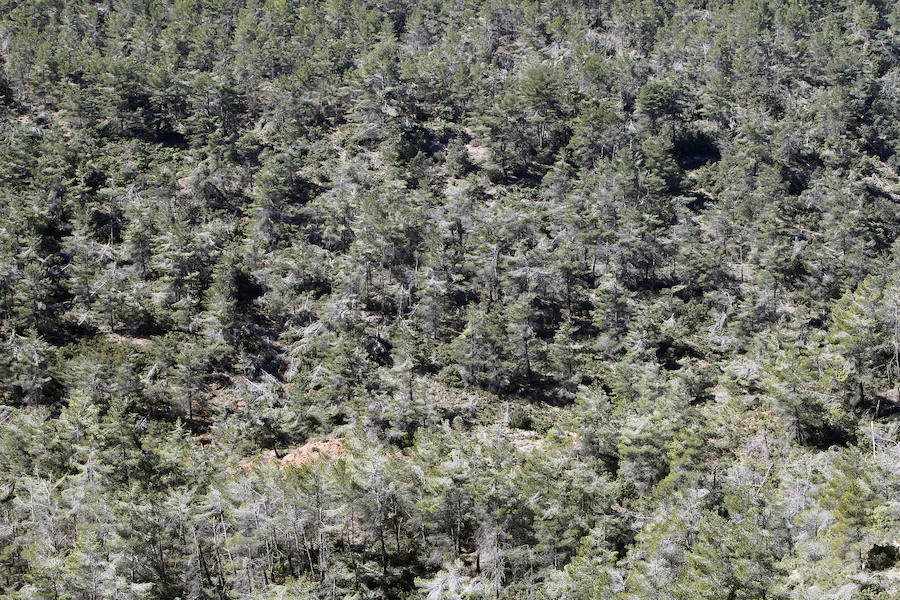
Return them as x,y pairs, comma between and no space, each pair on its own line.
463,299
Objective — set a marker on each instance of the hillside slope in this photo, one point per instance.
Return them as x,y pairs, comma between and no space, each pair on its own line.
465,299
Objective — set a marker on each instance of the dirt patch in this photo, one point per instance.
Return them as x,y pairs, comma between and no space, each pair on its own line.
311,452
479,155
134,342
301,456
523,441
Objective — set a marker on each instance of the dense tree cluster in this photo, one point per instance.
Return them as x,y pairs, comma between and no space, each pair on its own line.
534,299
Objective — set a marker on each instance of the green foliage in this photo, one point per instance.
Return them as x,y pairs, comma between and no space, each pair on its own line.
478,299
